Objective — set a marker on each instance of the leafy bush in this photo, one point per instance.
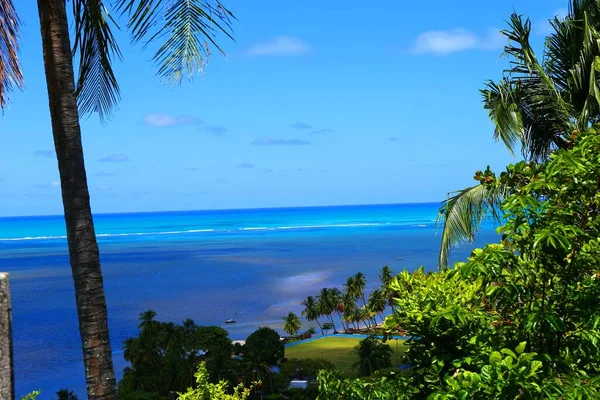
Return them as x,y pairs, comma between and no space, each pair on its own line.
518,319
205,390
305,367
373,355
265,345
164,357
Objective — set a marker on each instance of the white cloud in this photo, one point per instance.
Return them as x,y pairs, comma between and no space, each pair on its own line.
160,120
279,46
456,40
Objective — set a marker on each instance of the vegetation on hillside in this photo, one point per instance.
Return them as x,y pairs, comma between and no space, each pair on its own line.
350,305
535,107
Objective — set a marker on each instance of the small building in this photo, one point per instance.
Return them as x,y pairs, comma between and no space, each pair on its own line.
298,385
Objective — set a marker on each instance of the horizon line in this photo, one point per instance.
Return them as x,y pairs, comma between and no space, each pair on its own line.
222,209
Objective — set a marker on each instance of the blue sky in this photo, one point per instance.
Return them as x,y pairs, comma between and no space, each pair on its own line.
316,103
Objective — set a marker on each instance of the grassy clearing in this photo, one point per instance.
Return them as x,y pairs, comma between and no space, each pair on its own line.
338,351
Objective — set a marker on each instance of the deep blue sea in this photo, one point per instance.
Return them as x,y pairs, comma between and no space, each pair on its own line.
251,265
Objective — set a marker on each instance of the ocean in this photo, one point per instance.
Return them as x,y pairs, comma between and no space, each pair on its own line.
252,265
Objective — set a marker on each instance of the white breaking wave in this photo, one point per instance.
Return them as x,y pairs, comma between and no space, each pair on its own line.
191,231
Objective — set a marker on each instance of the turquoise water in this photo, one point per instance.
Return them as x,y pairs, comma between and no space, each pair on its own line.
251,265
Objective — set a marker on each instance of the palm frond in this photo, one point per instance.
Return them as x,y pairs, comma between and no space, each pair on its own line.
187,29
499,99
97,87
545,114
10,71
463,213
572,50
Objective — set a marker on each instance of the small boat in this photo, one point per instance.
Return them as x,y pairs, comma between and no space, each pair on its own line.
230,321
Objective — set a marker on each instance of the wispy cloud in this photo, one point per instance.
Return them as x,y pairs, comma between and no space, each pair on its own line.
116,158
280,142
393,139
45,153
217,130
301,126
160,120
104,174
322,131
269,171
279,46
456,40
245,165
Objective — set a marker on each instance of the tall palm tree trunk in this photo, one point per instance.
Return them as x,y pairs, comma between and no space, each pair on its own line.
320,327
83,248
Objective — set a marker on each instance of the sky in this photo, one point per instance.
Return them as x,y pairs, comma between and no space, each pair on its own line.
315,103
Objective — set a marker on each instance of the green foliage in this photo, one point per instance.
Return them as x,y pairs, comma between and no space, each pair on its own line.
164,357
333,386
205,390
66,394
373,355
538,286
264,345
292,324
31,396
293,368
311,310
535,107
518,319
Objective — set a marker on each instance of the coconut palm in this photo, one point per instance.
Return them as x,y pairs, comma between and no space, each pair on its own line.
537,106
385,276
311,310
348,303
292,324
183,29
377,302
373,355
327,304
360,282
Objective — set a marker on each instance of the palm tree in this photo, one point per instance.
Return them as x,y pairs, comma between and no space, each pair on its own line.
373,355
292,324
185,28
377,302
360,283
537,106
327,304
348,302
339,307
385,276
311,310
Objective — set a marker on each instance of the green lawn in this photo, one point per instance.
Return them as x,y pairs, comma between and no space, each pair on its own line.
337,350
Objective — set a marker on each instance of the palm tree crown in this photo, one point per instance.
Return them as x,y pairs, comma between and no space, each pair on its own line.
537,106
292,324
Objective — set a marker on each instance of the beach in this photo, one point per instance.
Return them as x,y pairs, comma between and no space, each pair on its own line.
250,265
